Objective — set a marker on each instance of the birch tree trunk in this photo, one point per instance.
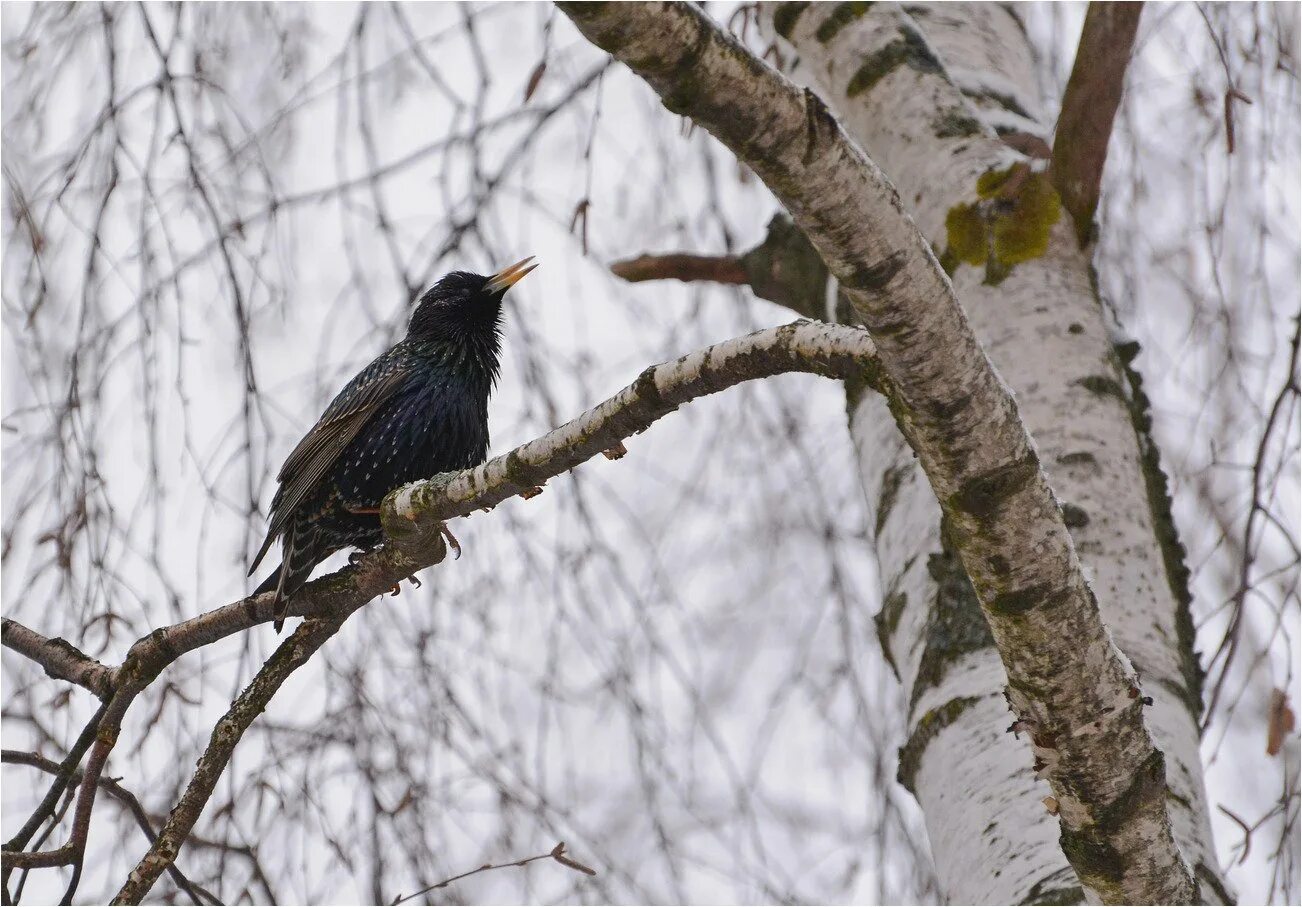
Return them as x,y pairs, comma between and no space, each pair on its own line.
927,90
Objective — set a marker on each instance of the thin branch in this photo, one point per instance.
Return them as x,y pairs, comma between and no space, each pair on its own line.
1089,105
557,853
196,893
412,519
292,654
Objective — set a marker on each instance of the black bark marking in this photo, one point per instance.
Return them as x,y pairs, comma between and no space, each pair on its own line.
1019,601
875,278
910,49
841,16
980,497
786,16
928,727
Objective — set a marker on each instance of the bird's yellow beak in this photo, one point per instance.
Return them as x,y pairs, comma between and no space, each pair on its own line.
509,276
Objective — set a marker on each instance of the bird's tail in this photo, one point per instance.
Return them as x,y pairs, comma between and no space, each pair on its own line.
301,553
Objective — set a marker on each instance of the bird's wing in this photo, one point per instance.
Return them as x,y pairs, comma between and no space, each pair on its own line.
321,448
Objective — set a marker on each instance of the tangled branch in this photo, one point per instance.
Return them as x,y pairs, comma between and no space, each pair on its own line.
413,518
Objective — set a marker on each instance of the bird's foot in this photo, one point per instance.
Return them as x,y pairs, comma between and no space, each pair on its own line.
397,587
451,540
532,492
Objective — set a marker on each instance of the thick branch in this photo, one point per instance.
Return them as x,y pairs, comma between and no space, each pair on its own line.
784,268
834,351
681,266
58,657
18,757
293,653
959,417
412,518
1089,105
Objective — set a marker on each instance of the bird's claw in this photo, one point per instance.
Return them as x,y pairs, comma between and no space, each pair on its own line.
415,581
397,587
451,540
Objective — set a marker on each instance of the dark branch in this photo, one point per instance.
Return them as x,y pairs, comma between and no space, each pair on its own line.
196,893
1089,105
784,268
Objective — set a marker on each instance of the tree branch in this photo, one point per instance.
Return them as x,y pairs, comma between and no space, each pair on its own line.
293,653
413,518
58,657
959,417
834,351
1089,105
557,853
413,515
784,268
682,266
196,893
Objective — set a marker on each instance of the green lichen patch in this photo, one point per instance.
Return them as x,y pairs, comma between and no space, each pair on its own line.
785,17
955,122
841,15
965,229
928,727
1010,223
1022,234
910,49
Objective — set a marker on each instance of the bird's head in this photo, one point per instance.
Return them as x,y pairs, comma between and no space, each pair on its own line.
464,308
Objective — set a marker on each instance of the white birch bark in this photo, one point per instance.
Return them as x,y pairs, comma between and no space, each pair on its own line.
1044,328
1073,691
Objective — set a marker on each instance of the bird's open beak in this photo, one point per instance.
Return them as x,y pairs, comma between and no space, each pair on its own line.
509,276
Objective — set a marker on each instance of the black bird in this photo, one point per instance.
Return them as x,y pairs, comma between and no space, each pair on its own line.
419,409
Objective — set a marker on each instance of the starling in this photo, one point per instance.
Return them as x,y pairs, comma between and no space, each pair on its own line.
419,409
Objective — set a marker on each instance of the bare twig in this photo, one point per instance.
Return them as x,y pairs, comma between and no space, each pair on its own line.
196,893
557,853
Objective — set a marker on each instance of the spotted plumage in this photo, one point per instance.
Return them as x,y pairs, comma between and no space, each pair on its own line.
420,408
